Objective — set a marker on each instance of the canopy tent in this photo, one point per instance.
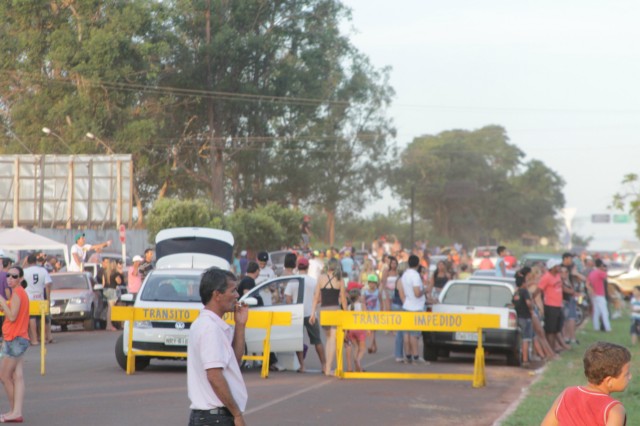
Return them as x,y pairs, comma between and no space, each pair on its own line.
21,239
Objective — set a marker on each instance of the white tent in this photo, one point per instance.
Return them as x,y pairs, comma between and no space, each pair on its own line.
21,239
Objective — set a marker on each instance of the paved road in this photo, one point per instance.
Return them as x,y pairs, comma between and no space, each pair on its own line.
84,385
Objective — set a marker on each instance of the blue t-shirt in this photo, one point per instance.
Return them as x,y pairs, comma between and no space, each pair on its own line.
347,265
499,262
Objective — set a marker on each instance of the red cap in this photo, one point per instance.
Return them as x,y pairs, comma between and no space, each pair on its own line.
303,261
353,286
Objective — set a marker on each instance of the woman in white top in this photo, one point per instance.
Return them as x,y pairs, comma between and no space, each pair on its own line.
388,283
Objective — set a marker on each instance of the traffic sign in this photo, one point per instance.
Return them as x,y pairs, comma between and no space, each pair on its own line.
600,218
123,234
621,218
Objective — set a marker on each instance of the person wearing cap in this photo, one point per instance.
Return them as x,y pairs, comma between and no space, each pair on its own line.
266,272
316,264
550,285
291,296
596,284
79,251
244,262
134,279
373,300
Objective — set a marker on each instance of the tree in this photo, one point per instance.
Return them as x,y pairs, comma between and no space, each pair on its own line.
172,213
629,198
473,184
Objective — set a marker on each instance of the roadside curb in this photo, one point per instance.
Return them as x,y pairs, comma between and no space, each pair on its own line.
523,394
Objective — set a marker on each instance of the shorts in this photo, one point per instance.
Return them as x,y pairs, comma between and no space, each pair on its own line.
552,319
111,294
15,348
412,333
313,331
635,327
571,309
357,335
526,327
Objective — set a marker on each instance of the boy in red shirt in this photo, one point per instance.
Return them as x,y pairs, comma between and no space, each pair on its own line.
606,366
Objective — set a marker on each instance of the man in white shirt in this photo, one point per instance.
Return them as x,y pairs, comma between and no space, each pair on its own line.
38,288
266,272
79,251
291,294
414,301
215,385
316,265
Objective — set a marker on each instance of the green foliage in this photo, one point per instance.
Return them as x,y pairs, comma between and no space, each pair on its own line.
173,213
629,199
473,184
255,230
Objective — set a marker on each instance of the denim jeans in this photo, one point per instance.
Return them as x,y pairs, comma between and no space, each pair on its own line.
399,344
202,418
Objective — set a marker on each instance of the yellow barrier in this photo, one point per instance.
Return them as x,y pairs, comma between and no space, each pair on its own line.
257,319
40,307
410,321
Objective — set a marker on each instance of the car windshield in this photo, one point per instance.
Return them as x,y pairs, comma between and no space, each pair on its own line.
478,295
75,282
164,288
481,250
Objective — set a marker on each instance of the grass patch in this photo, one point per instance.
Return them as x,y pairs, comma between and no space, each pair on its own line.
568,371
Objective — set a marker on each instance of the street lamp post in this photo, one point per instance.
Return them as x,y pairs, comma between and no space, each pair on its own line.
91,136
47,131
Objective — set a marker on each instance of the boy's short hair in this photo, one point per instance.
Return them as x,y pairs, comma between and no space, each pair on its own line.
604,359
637,287
500,249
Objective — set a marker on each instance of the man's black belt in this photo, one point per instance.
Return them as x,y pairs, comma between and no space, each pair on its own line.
220,411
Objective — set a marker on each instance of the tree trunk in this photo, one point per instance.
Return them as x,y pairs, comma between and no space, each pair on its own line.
330,228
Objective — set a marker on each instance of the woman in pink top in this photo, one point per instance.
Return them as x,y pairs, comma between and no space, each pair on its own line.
134,279
16,341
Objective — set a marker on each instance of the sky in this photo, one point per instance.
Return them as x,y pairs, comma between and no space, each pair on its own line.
563,79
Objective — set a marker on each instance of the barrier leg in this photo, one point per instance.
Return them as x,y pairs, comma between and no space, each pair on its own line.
479,378
131,357
43,339
266,350
339,350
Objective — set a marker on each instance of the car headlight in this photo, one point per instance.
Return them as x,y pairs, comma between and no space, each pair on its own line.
78,300
142,324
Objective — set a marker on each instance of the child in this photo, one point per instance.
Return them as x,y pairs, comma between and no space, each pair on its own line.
635,315
606,366
372,299
357,338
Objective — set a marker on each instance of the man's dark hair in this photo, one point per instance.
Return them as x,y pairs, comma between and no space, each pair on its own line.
6,262
147,251
565,255
599,263
413,261
464,267
214,279
604,359
32,258
501,249
252,267
290,260
521,276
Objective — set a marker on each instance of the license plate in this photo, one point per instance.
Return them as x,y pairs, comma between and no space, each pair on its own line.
467,337
176,340
55,310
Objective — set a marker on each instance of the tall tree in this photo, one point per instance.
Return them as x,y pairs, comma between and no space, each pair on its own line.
472,184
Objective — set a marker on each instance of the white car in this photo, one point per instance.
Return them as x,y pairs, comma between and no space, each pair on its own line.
179,289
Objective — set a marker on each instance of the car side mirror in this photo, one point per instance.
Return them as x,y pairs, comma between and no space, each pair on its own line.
98,287
129,297
251,301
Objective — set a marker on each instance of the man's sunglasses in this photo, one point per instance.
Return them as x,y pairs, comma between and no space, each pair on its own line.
15,277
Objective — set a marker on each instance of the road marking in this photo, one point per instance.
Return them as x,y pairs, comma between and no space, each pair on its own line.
304,390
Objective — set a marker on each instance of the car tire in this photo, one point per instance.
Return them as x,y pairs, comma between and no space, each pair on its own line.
142,362
90,323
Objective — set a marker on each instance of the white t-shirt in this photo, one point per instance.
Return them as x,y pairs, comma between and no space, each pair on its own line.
310,284
81,251
410,280
37,278
210,340
315,268
266,273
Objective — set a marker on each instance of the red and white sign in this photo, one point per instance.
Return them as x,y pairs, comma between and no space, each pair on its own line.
123,234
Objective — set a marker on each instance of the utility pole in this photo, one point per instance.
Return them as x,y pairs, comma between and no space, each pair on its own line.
413,198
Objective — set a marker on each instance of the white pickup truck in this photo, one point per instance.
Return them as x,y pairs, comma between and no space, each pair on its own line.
476,297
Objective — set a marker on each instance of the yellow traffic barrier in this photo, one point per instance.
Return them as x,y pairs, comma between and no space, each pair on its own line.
40,307
257,319
410,321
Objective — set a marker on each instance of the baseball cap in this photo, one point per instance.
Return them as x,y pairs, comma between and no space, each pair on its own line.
551,263
372,278
137,258
78,236
263,256
353,286
243,253
303,261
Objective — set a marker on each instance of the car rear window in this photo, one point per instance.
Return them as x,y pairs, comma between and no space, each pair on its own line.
160,288
480,251
478,295
74,282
